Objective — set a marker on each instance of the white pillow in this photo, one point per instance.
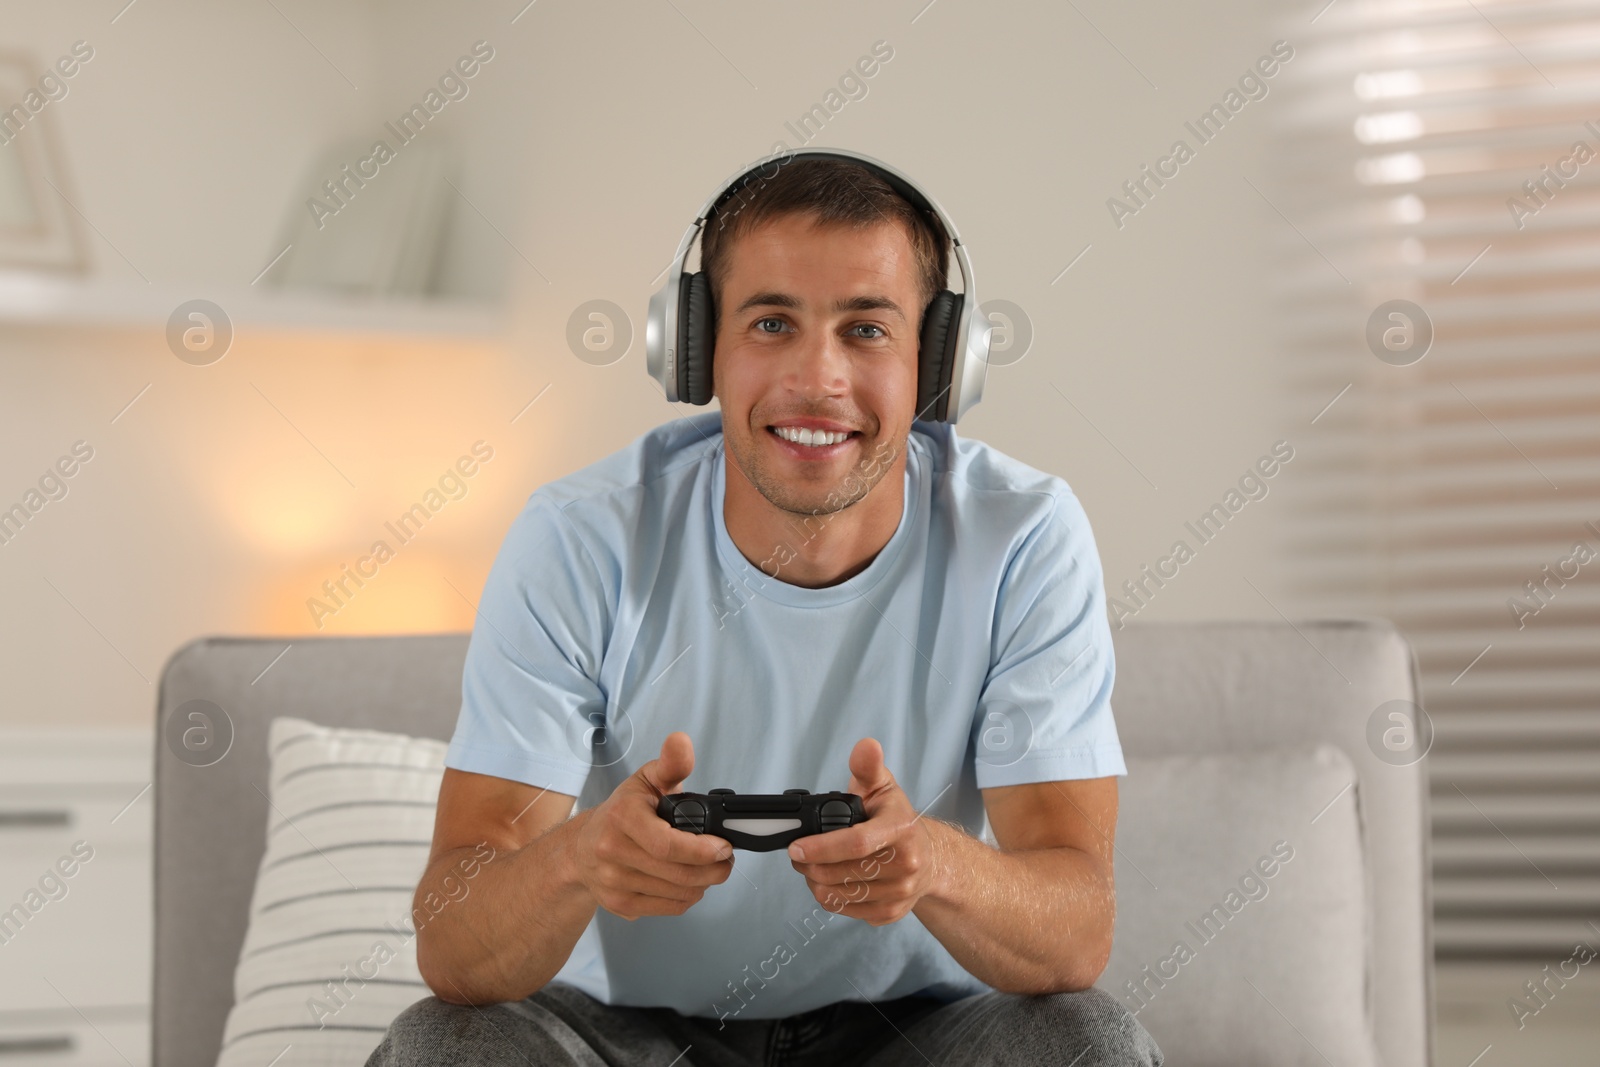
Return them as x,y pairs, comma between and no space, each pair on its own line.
1225,882
348,833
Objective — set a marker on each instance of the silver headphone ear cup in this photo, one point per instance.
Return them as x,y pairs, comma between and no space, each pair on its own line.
697,339
656,344
973,377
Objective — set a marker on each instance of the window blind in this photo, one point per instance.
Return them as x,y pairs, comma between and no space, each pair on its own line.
1448,154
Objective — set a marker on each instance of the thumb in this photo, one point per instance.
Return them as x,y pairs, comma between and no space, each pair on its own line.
869,776
666,773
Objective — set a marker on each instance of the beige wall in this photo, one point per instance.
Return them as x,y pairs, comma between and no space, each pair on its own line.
589,140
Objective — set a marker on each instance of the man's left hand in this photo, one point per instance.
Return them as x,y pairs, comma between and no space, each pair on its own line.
879,869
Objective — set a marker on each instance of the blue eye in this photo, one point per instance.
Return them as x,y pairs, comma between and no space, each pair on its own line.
871,326
768,319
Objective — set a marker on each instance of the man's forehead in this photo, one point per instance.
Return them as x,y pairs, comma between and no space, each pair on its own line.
864,266
802,233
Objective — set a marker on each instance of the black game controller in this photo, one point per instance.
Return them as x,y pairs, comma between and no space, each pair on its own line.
761,822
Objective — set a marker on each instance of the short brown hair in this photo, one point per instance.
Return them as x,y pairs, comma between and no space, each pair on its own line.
836,193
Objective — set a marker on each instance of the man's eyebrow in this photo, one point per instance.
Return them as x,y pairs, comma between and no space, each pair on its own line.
768,299
869,303
772,298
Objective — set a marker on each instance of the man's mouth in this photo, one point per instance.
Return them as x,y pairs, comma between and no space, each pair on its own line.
818,440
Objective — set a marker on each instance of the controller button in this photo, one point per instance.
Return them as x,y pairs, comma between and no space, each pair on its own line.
797,792
690,815
722,792
835,814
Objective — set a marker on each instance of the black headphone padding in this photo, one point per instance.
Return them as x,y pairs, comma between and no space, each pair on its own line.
698,336
936,355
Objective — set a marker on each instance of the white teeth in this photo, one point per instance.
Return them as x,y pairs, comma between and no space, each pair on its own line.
809,437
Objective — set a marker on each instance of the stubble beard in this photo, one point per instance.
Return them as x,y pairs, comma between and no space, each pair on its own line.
851,488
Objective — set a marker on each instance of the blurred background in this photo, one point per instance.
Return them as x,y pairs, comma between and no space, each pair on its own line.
254,341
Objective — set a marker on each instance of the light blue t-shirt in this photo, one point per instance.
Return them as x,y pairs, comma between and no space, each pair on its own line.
974,647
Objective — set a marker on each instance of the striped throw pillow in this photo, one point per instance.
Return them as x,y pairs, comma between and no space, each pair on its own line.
330,955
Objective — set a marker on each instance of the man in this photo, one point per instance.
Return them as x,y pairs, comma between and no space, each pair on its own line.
812,588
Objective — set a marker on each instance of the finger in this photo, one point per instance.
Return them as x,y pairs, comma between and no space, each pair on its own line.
655,838
838,899
642,884
631,906
852,844
626,853
684,874
869,869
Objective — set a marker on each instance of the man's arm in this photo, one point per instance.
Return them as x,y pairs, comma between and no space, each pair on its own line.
525,909
1035,915
529,902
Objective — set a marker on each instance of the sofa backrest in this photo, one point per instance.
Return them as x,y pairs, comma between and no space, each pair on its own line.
1189,687
1241,686
211,820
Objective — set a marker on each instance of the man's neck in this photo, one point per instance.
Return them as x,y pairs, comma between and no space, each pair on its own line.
813,551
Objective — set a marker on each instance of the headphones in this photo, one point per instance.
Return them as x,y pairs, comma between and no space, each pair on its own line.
953,350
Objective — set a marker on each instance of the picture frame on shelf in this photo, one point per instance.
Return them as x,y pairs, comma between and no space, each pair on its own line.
368,229
39,226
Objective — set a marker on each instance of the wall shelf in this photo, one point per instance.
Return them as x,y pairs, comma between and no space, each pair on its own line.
29,299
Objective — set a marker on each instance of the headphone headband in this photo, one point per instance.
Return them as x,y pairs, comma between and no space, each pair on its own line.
960,336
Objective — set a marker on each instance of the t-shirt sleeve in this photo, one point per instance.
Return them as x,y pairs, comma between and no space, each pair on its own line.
531,701
1045,711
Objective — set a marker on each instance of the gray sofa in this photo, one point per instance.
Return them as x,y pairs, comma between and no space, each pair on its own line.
1180,688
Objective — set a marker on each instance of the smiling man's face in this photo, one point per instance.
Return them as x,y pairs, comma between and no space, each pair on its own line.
817,330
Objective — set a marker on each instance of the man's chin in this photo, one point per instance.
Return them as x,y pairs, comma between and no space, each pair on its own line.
809,501
824,506
806,487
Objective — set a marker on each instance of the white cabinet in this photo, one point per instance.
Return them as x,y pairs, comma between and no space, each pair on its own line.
75,934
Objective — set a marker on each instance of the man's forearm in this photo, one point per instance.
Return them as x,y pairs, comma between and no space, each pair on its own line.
1035,921
515,928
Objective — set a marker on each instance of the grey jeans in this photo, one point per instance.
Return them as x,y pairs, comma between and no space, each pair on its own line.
562,1026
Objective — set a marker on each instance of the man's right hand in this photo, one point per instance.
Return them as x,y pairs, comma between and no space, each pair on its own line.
631,861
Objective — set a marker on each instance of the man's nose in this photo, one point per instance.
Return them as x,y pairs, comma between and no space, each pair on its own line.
820,366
